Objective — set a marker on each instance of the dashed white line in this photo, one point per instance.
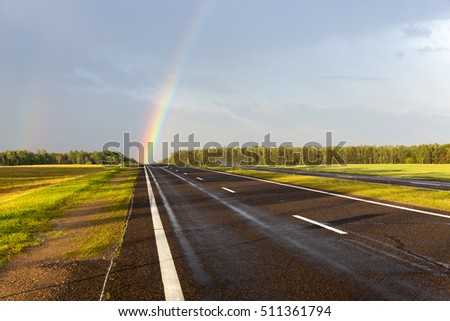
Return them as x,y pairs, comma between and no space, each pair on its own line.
199,178
171,283
220,200
228,190
332,194
320,224
185,173
431,184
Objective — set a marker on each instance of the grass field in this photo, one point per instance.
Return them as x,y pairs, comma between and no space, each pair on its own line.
19,180
426,171
439,200
32,198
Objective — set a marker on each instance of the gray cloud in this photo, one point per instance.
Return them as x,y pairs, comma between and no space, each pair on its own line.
417,32
353,78
399,55
31,57
81,65
372,78
300,122
320,20
209,84
429,49
100,73
74,121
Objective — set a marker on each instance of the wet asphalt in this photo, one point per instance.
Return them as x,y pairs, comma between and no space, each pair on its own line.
234,238
441,185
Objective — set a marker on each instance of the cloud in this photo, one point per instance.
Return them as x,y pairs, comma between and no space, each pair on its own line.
417,32
399,55
100,74
300,123
429,49
30,59
90,120
354,78
93,61
209,83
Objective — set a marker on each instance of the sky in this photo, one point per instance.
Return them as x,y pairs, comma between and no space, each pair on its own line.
77,74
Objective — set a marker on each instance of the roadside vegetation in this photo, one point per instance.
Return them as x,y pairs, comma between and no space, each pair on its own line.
16,181
313,155
33,198
41,157
427,161
105,226
439,200
424,171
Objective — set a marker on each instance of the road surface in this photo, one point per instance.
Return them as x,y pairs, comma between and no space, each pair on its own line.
195,234
388,180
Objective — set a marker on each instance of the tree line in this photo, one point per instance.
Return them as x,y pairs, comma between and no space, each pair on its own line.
313,155
41,157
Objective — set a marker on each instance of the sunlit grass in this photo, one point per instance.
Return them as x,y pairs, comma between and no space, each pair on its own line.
25,216
19,180
107,223
399,194
425,171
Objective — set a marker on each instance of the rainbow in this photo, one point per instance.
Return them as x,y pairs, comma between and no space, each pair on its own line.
160,108
31,114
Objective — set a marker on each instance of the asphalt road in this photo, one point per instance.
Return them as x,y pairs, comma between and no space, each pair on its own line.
235,238
389,180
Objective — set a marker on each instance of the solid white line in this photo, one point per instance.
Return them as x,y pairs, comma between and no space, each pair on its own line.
332,194
228,190
191,255
199,178
172,287
320,224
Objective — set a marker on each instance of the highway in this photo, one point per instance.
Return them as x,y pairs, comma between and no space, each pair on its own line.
387,180
196,234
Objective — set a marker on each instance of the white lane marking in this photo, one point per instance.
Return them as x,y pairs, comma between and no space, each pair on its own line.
228,190
220,200
344,176
331,194
191,255
199,178
431,184
130,209
177,170
185,173
172,287
320,224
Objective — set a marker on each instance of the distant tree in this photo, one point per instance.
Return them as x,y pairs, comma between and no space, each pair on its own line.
58,158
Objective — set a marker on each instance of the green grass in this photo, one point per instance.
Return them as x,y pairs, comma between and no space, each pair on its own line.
19,180
33,196
426,171
439,200
107,223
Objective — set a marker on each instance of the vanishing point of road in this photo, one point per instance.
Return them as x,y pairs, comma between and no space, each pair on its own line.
196,234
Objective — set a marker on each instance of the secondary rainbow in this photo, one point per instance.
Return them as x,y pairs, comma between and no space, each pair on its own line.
163,101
